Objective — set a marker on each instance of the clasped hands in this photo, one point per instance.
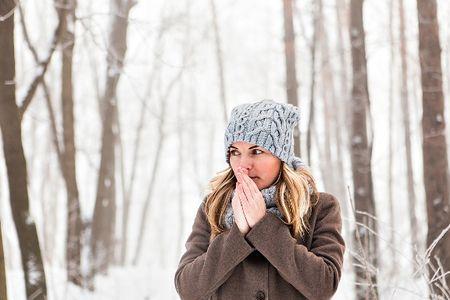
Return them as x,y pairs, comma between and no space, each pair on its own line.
248,203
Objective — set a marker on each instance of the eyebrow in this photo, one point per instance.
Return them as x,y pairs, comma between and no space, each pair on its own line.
256,146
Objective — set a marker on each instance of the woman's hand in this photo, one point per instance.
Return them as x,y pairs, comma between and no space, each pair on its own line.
252,200
239,217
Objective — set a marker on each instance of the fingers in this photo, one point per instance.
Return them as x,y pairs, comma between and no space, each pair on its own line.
252,185
238,210
241,194
248,193
249,187
245,202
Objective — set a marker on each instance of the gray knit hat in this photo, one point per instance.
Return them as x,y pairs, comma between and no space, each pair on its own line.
268,124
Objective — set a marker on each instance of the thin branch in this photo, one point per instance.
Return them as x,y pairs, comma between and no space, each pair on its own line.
358,238
42,67
436,240
46,91
25,34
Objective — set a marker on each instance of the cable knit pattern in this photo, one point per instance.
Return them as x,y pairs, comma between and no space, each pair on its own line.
268,124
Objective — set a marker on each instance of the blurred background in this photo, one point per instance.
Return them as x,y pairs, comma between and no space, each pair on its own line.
112,115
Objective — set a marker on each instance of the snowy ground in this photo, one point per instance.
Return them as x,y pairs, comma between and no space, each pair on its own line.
157,284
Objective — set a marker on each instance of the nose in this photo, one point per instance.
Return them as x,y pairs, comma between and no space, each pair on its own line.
246,162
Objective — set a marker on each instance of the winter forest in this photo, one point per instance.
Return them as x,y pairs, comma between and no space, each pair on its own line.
112,115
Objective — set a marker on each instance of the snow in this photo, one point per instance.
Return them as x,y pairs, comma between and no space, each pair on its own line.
356,139
361,191
10,82
437,201
254,69
107,182
29,219
34,274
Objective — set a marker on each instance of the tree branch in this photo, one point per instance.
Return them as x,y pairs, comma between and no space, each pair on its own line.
42,66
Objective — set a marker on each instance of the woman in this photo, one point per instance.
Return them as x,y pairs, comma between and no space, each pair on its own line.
263,231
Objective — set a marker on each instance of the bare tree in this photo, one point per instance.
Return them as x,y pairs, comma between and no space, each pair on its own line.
180,132
291,73
43,64
361,154
411,196
390,133
66,155
10,124
49,214
68,166
180,175
328,94
341,107
219,58
342,27
103,223
312,88
434,145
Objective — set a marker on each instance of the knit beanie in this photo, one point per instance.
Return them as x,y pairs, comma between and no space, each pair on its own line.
268,124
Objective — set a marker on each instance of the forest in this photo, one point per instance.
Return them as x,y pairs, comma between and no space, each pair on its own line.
112,115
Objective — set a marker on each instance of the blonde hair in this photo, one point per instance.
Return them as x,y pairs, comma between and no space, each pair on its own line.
293,199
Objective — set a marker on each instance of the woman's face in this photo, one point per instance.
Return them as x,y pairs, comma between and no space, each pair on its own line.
259,164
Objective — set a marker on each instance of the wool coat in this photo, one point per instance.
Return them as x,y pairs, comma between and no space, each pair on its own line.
267,262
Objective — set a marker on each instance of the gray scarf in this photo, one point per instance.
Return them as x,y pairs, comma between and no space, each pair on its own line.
269,198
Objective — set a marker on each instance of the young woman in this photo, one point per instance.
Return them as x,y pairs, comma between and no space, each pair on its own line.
263,231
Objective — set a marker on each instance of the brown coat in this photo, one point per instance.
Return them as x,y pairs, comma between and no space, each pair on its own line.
266,263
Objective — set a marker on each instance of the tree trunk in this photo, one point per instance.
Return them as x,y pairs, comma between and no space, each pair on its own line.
291,75
434,141
219,58
341,107
411,196
32,264
121,244
336,124
312,87
333,125
103,223
342,25
181,198
73,247
329,104
66,157
3,291
48,210
181,120
361,153
391,107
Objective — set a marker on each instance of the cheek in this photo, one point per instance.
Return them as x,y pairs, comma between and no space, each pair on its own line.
233,165
272,168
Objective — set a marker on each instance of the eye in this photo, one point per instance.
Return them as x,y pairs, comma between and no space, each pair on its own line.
233,152
255,151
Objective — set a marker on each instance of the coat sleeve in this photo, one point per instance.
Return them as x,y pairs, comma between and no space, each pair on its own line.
206,266
314,273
